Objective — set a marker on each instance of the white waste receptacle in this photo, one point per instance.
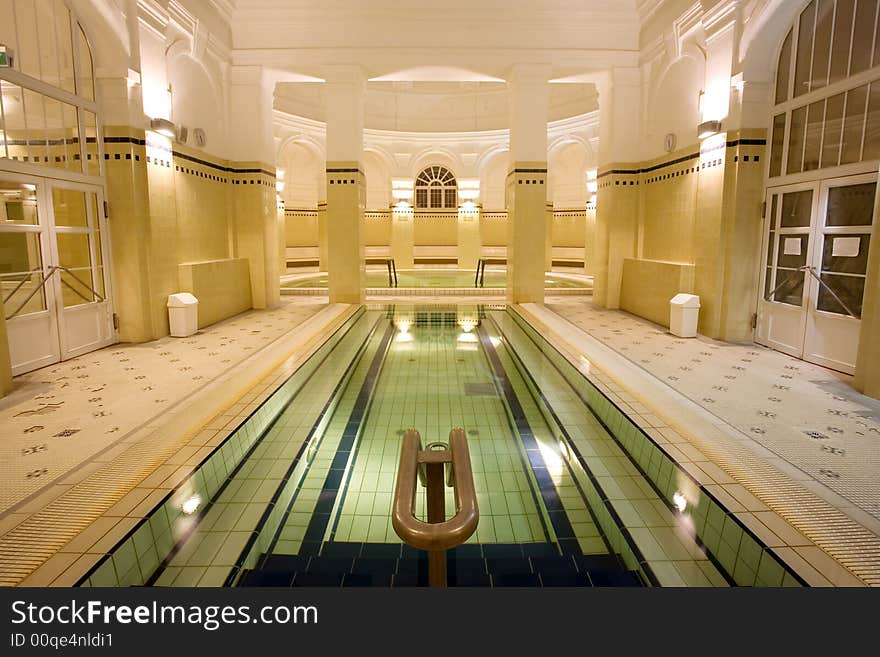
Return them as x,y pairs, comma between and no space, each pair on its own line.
684,311
183,314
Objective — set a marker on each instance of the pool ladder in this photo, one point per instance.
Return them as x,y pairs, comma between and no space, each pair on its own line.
428,466
481,268
390,265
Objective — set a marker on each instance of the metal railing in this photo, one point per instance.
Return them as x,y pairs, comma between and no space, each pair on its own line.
390,264
428,466
50,270
812,271
481,268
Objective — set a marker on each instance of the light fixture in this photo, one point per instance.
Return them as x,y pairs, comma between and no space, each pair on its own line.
708,128
163,126
468,189
402,189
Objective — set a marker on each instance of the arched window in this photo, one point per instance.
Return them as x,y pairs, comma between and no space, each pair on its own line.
436,188
54,125
827,100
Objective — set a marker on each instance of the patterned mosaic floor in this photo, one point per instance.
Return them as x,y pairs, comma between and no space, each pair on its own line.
59,417
806,414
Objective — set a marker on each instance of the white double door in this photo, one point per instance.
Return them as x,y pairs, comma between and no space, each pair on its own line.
54,282
816,241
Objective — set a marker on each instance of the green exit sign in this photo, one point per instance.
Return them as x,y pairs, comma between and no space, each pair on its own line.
4,56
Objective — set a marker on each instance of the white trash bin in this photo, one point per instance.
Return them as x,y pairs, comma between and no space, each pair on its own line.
684,311
183,314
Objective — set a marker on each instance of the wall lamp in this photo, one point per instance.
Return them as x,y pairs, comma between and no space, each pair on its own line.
708,128
163,127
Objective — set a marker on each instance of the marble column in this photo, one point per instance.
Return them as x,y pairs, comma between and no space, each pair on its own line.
255,229
346,183
527,183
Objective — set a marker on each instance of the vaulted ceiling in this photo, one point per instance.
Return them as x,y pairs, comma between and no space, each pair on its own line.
452,40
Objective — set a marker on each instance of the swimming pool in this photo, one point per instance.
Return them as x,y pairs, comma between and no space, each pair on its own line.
570,492
438,278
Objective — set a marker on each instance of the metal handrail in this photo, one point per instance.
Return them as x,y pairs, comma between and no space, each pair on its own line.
771,295
36,289
807,268
389,265
437,534
480,275
22,282
81,282
51,270
827,287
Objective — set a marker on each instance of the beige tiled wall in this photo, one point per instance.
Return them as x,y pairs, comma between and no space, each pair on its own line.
568,228
647,286
170,204
698,207
223,287
300,227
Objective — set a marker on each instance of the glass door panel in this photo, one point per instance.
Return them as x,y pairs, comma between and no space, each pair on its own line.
788,243
25,269
839,271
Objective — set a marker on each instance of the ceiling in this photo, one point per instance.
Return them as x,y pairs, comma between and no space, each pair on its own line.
454,40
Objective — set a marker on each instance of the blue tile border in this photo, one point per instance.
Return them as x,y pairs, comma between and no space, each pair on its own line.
266,517
618,522
333,485
549,495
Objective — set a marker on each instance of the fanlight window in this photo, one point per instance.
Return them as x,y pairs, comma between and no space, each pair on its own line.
48,114
827,96
436,188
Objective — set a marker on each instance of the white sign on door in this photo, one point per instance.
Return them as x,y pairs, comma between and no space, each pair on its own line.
792,246
846,247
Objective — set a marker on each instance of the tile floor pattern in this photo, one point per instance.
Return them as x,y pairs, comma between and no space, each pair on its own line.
62,415
804,413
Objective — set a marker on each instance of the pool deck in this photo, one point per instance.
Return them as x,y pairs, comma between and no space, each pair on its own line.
790,447
92,444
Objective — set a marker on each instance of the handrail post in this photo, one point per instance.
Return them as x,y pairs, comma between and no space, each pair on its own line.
437,534
436,504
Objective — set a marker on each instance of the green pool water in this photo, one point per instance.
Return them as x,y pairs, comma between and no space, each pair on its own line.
437,278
